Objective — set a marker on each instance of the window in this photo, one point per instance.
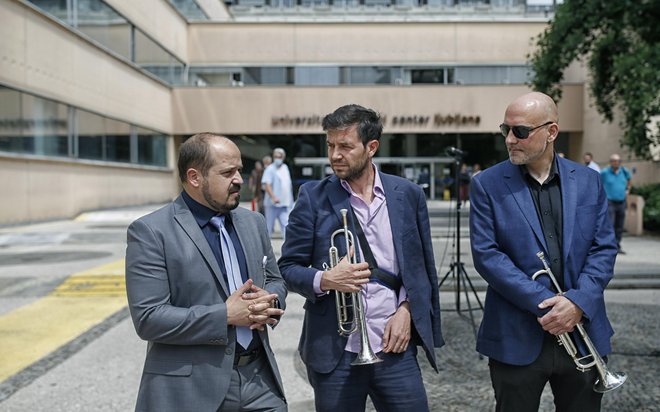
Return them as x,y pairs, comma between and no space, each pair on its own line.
316,76
104,25
189,9
427,76
268,75
11,122
370,75
492,75
152,57
203,76
152,147
32,125
100,22
91,136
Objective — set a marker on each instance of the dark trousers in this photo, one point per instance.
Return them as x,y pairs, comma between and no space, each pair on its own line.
617,214
393,385
519,388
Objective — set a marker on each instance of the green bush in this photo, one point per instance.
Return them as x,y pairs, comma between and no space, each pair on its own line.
651,195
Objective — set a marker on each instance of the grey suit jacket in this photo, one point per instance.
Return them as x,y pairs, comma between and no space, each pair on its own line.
176,295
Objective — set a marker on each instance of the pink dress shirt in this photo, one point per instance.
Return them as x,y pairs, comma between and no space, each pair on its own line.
380,302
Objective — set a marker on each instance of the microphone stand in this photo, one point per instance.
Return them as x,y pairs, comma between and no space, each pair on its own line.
457,268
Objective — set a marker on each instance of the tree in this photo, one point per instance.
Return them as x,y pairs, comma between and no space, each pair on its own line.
620,41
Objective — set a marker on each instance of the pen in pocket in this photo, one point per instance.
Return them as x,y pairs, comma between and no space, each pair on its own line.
263,268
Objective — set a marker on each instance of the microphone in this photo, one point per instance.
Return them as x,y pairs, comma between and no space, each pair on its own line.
452,151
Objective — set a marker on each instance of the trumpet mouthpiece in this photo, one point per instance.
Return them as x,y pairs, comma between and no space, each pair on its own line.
344,212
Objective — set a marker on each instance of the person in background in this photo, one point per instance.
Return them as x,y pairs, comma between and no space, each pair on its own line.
278,189
476,169
394,274
616,180
537,201
464,183
192,270
588,160
254,183
267,160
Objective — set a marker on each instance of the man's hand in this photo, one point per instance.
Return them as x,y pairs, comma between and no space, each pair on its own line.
346,277
237,307
563,316
262,307
397,331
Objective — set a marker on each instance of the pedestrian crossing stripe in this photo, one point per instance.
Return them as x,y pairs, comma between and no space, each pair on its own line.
83,301
92,285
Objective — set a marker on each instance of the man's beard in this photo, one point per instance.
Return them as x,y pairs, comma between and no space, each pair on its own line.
354,172
527,157
221,208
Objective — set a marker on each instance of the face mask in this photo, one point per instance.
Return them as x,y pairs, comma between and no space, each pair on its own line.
278,162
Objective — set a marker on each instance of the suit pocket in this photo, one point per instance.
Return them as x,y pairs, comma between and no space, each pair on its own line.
171,368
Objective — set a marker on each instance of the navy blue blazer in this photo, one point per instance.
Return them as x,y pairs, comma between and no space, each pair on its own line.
506,234
314,218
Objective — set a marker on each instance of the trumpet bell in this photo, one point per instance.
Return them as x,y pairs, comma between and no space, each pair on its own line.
366,359
611,381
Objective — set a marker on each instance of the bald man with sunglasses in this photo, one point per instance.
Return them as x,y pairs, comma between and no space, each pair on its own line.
537,201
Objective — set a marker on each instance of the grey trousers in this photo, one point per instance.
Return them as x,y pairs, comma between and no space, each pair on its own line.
253,388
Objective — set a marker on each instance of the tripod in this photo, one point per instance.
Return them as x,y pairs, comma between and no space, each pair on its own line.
457,268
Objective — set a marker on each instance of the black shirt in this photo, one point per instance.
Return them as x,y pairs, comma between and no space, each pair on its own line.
548,203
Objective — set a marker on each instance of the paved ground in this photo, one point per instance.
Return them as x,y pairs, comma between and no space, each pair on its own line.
98,369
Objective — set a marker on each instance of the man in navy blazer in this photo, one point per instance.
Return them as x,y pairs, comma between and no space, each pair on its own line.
538,201
393,215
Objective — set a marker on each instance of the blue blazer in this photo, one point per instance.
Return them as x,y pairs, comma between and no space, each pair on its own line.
314,218
506,234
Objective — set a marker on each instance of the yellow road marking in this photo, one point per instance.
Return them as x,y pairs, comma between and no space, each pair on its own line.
84,300
92,285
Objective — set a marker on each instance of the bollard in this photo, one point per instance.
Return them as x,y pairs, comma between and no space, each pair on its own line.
634,224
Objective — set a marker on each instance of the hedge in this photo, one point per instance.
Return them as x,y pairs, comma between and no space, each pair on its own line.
651,195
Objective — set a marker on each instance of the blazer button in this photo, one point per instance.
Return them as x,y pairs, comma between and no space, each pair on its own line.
229,351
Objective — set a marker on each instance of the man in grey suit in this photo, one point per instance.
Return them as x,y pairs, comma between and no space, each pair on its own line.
192,270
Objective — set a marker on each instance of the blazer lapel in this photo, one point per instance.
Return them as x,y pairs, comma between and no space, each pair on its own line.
394,200
185,219
515,181
569,205
339,198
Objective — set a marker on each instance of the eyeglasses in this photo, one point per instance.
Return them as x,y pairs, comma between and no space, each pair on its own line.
521,132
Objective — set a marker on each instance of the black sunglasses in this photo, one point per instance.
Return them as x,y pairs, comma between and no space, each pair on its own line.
521,132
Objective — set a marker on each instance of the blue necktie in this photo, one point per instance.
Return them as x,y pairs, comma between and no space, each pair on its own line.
243,333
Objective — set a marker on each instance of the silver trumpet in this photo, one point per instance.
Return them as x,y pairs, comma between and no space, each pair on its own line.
607,380
350,308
